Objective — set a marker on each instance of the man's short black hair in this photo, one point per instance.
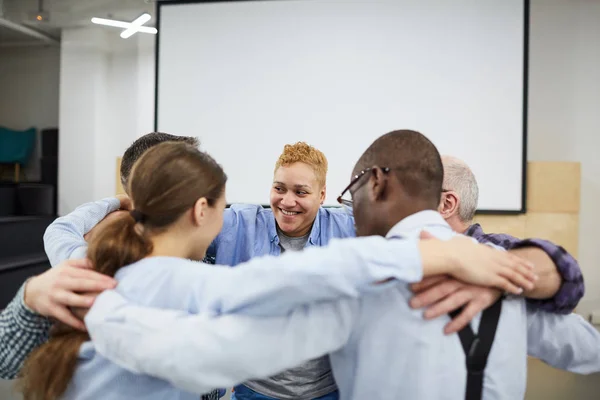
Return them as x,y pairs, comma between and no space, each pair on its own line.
412,158
139,147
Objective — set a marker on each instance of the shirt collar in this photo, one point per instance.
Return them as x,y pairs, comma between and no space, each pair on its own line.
417,221
315,233
272,228
475,231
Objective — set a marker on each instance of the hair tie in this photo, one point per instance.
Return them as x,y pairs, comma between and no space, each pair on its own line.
137,215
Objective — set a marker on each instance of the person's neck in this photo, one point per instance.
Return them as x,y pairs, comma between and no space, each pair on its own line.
304,232
400,214
457,224
170,244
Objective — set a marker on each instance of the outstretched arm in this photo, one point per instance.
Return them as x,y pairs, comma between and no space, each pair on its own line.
198,353
558,289
347,268
549,282
566,342
64,238
561,285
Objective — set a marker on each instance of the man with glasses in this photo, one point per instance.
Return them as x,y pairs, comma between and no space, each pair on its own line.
443,295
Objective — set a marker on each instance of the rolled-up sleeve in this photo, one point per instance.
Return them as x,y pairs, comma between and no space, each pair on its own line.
572,287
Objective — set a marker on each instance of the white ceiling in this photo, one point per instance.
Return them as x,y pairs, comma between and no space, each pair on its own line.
65,14
71,13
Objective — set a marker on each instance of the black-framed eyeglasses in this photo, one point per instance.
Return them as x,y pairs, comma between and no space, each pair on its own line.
348,201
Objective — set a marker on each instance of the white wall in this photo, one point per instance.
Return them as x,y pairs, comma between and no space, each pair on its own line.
106,102
145,85
29,87
564,111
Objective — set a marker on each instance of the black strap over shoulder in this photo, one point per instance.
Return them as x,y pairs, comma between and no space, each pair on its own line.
477,348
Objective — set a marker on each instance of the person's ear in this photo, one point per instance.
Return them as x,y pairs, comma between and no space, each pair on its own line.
323,194
199,211
449,204
378,184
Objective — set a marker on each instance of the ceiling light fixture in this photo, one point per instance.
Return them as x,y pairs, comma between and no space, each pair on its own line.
130,27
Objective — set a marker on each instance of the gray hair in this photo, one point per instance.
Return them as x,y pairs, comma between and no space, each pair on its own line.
459,178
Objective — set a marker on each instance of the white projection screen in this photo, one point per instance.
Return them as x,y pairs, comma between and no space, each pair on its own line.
247,77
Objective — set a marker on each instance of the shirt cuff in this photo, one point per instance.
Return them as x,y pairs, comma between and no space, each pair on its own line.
25,317
572,287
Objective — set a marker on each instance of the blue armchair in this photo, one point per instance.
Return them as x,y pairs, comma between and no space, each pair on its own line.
16,147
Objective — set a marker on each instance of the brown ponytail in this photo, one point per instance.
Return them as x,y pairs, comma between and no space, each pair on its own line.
120,243
165,182
48,370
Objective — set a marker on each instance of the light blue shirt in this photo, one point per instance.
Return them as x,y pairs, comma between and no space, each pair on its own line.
380,347
248,231
64,239
344,269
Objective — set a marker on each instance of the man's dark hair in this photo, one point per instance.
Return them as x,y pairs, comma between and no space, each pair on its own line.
412,158
139,147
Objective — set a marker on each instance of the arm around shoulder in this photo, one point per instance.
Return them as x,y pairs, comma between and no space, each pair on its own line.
65,236
196,352
561,285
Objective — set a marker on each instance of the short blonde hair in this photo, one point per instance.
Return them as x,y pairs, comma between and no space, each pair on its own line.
307,154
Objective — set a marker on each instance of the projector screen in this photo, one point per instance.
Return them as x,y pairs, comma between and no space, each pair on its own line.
248,77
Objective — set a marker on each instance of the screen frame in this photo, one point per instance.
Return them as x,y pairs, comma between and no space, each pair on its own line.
526,28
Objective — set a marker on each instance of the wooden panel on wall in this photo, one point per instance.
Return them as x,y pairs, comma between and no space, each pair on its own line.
547,383
553,187
511,224
553,193
119,189
560,228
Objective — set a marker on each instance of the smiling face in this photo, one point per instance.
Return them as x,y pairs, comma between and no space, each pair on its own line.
296,196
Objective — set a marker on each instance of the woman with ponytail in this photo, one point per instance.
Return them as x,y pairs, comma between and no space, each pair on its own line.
178,193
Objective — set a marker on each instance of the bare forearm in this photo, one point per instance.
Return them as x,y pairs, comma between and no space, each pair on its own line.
549,279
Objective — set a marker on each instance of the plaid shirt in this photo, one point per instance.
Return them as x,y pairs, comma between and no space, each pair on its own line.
214,395
572,287
21,331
